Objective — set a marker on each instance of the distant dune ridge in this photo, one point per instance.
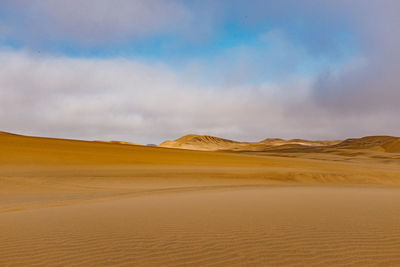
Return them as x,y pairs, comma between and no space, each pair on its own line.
119,142
280,160
389,144
206,142
203,142
379,143
211,143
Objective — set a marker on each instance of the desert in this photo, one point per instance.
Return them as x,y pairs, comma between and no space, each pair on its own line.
85,203
199,133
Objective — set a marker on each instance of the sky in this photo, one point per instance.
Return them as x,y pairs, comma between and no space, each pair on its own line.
146,71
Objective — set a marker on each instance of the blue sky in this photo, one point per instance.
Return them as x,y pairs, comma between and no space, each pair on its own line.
178,47
250,63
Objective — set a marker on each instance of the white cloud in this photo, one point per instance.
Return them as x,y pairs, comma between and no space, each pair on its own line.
372,84
128,100
121,99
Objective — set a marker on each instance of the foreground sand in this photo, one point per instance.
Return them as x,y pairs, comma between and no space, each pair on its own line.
249,225
65,202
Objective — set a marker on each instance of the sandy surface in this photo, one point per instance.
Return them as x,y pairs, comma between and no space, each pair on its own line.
249,225
76,203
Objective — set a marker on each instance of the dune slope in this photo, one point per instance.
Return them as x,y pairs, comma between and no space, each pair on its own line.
201,142
38,171
108,203
368,142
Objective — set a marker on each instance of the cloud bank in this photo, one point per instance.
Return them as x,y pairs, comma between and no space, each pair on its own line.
121,99
134,100
372,84
126,100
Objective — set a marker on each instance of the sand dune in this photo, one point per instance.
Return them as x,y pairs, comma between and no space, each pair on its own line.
393,146
379,143
258,226
202,142
69,202
280,142
362,146
212,143
38,171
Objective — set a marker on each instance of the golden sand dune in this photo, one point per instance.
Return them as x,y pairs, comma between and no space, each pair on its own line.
68,202
202,142
38,171
393,146
380,143
211,143
280,142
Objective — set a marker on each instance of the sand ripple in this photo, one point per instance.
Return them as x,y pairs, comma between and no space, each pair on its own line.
293,226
